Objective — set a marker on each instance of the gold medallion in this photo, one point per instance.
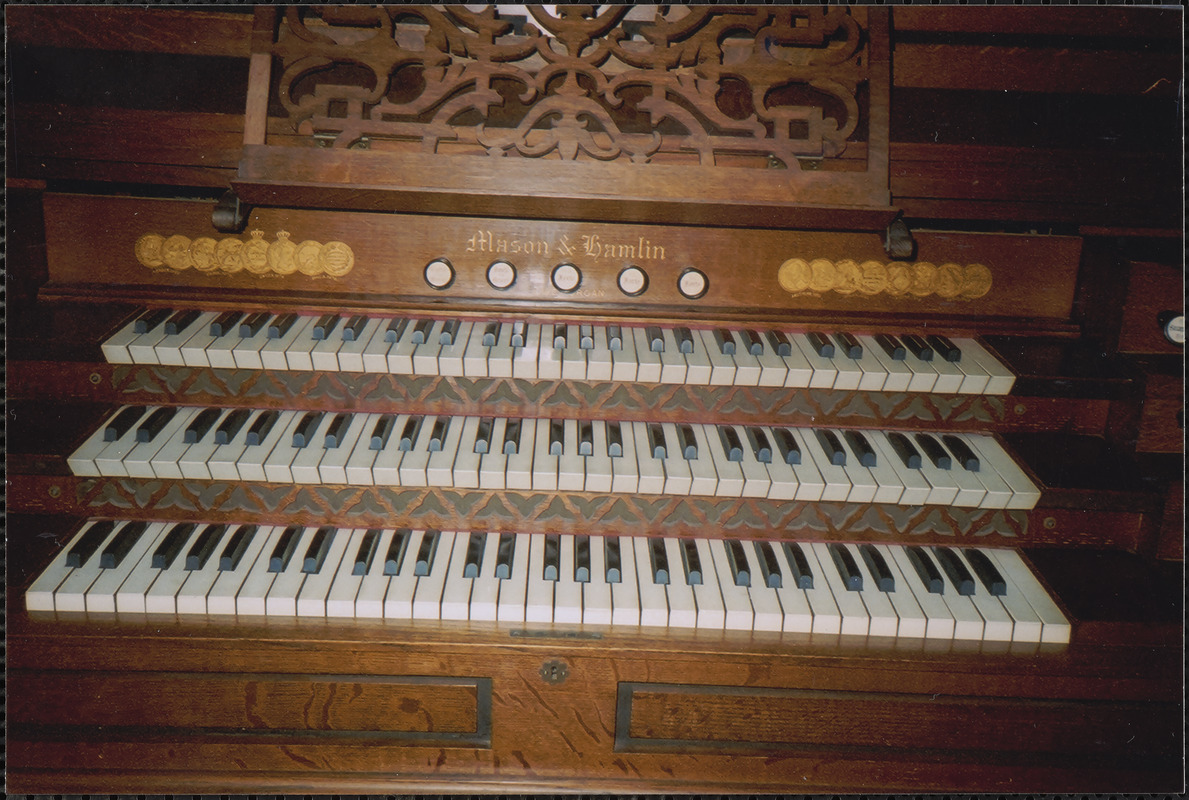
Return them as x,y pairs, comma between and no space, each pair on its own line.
176,252
899,278
949,281
229,255
148,250
306,257
280,255
794,275
202,254
924,279
255,255
821,275
976,281
847,277
336,259
874,277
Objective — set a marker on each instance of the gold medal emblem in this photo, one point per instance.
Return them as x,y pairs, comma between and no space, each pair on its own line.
976,281
202,254
336,259
794,275
148,250
281,253
899,278
874,278
229,255
847,277
306,257
255,254
924,279
176,252
822,275
949,281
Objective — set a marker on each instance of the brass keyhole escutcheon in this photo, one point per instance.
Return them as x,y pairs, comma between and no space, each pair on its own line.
55,492
554,672
95,378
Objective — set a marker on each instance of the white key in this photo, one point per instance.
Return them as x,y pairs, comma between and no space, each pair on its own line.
303,464
526,357
101,596
1055,627
281,600
273,352
500,356
798,370
381,467
897,376
652,472
456,591
810,483
625,468
703,475
130,597
949,376
730,473
82,460
648,363
678,475
192,596
764,600
915,489
722,366
774,369
221,599
944,486
571,465
351,352
219,350
519,473
168,351
248,459
333,466
889,486
698,367
783,476
850,374
373,355
837,481
997,623
883,620
400,351
161,597
364,592
415,461
599,472
683,609
544,461
493,463
795,608
404,547
968,623
1026,623
924,377
475,356
143,349
850,605
514,589
71,594
975,378
914,623
939,620
736,599
450,359
827,616
311,602
747,366
625,593
115,347
757,481
324,353
253,591
246,352
825,373
425,354
194,462
673,366
567,592
598,359
485,588
538,606
467,461
340,600
707,594
875,373
596,592
624,363
439,470
427,598
993,458
139,460
193,350
654,603
1000,379
573,357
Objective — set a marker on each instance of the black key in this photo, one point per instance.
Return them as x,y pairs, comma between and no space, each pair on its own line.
821,345
656,339
261,427
962,452
557,437
760,446
381,432
123,422
833,447
512,430
172,544
691,562
395,329
892,346
659,560
955,570
685,339
236,546
847,568
799,564
551,570
656,438
337,430
315,555
253,324
282,552
884,580
918,347
408,437
303,434
474,557
366,553
737,561
933,451
180,321
611,559
149,320
786,443
614,440
519,333
148,430
753,343
354,328
586,337
944,347
582,558
395,557
204,546
688,443
231,425
990,577
860,447
725,340
437,436
121,544
200,425
926,569
449,331
421,331
504,555
86,546
730,443
585,438
483,436
780,343
281,325
614,337
903,447
225,323
848,345
769,566
425,555
325,326
491,334
559,336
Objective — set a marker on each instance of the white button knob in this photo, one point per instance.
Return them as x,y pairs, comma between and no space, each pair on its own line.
501,275
633,281
566,277
439,273
692,283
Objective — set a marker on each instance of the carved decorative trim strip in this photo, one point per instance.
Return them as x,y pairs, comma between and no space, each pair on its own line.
514,397
232,254
897,279
708,85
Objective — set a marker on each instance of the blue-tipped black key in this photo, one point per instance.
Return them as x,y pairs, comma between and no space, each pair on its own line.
852,579
483,435
123,423
780,343
962,452
491,334
172,544
408,437
769,566
760,446
148,430
614,440
325,326
448,332
354,328
656,339
918,347
551,569
730,443
437,436
281,325
261,427
426,553
519,333
586,337
366,553
933,451
121,544
315,555
656,439
614,337
474,557
685,339
752,342
180,321
231,425
725,340
381,431
303,434
149,320
990,577
884,581
848,345
225,323
557,437
737,562
85,547
944,347
904,449
282,552
559,336
204,546
833,447
820,344
253,324
691,562
659,561
337,431
199,426
861,448
512,431
955,570
585,438
582,558
237,545
926,569
611,558
799,564
504,554
421,330
892,346
688,442
394,558
786,444
395,329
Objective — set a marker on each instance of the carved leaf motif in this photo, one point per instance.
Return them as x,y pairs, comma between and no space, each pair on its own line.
144,379
368,506
176,497
305,500
335,499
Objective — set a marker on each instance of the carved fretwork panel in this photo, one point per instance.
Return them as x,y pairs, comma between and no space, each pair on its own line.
770,87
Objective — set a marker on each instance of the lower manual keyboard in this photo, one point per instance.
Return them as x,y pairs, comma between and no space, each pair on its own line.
910,592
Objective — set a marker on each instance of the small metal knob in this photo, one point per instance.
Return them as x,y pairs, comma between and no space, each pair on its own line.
554,672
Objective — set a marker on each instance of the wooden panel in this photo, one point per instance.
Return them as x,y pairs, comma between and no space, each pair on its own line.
1161,430
1171,539
1152,289
195,32
1147,23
